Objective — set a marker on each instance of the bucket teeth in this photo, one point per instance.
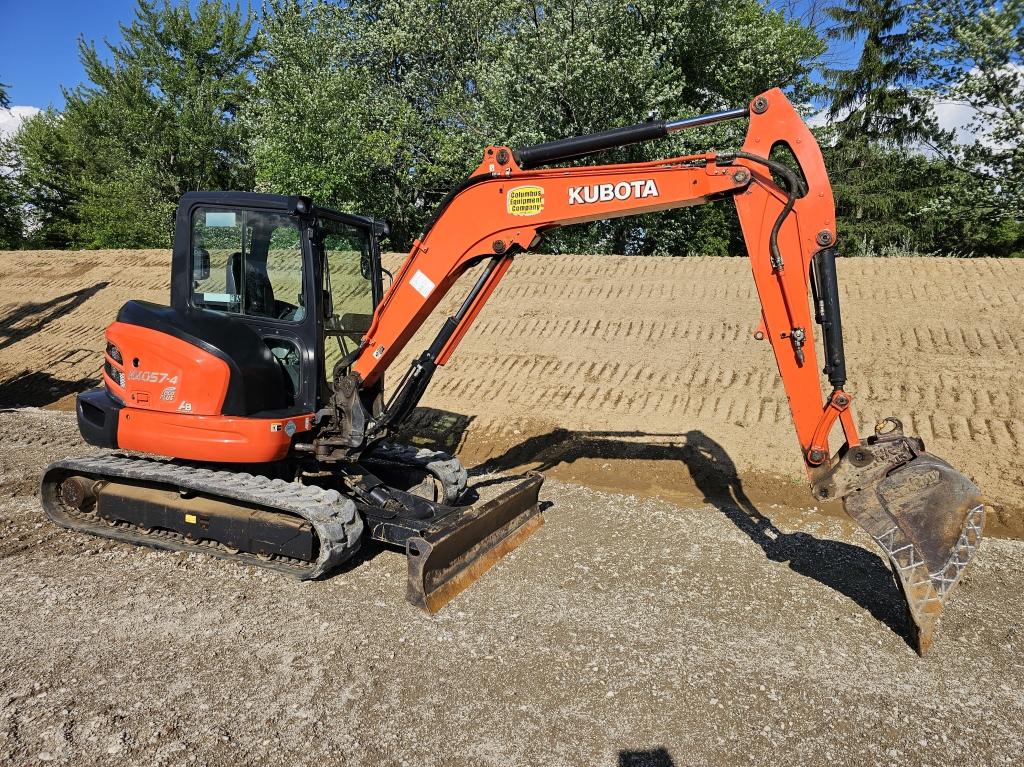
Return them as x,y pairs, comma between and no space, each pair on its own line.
927,591
925,515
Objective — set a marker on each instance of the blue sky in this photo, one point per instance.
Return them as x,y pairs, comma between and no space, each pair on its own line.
39,43
35,63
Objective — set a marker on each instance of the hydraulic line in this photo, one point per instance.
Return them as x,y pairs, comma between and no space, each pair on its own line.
794,188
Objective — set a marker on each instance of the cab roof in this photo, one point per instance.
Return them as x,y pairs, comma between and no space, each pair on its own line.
282,202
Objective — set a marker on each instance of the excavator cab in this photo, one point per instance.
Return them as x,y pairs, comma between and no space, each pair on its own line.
305,279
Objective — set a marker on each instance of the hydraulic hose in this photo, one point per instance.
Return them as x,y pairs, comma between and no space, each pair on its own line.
794,188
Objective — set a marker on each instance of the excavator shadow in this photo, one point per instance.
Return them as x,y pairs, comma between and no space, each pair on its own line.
58,378
61,378
29,318
850,570
37,389
655,757
436,429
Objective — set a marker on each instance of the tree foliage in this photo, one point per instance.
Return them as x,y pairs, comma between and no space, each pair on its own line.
899,177
156,118
974,54
382,106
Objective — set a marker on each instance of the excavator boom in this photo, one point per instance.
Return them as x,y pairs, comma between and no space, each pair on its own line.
925,515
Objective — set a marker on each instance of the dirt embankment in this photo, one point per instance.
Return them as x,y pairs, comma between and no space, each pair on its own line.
579,362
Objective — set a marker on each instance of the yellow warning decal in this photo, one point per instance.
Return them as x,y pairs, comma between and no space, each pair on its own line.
525,200
191,519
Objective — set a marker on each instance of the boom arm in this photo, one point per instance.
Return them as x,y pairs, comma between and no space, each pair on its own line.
503,209
923,513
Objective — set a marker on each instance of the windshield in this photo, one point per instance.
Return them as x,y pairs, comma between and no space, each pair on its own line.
348,287
247,262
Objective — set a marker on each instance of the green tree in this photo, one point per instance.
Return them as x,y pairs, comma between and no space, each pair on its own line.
10,209
899,178
927,205
383,106
875,110
11,224
156,118
974,54
877,101
47,174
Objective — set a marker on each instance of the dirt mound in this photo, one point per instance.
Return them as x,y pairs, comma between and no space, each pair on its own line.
578,362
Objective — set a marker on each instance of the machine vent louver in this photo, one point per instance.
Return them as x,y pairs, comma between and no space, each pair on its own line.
116,375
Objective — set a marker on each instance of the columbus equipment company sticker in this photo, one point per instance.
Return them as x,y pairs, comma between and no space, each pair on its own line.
525,200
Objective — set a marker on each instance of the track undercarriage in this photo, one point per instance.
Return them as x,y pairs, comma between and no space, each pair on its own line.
304,527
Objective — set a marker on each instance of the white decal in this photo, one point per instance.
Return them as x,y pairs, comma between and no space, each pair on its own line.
167,395
584,195
185,407
152,377
422,284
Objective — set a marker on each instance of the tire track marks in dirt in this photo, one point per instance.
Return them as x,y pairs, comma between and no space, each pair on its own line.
664,347
647,350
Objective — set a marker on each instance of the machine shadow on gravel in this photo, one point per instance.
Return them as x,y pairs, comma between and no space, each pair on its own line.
850,570
655,757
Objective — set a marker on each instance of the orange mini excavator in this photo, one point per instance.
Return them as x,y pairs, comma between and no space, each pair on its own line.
263,382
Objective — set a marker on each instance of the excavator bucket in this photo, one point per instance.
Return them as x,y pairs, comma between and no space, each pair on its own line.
926,516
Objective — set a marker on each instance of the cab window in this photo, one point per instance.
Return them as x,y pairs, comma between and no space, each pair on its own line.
348,284
247,262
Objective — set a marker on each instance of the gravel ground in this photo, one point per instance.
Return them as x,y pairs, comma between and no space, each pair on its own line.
626,631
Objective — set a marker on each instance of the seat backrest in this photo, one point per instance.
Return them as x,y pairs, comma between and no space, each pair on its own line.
233,273
259,291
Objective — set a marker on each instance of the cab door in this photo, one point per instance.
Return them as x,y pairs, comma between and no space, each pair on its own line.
251,265
351,286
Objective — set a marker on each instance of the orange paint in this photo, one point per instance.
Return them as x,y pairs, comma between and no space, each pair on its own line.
174,393
509,208
221,439
166,374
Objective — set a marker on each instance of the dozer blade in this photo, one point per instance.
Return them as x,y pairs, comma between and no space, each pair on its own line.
926,516
447,557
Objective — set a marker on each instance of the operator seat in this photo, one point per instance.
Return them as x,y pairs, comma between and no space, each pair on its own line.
259,292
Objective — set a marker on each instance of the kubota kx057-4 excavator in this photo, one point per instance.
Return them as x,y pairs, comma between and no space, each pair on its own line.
263,380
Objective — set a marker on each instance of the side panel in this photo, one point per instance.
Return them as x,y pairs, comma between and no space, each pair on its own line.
166,374
219,439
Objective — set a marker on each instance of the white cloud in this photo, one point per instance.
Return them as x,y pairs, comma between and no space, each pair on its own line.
956,116
951,116
11,118
818,119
